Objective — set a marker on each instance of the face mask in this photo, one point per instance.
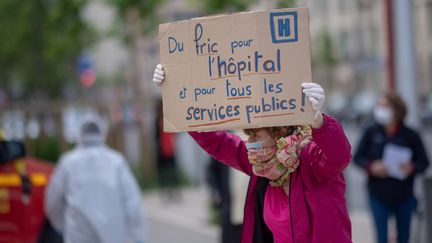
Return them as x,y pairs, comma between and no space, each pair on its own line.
270,170
256,145
257,152
383,115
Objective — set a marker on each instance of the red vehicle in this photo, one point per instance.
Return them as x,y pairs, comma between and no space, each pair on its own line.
22,185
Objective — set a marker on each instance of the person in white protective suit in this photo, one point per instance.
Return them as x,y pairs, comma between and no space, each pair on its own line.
92,196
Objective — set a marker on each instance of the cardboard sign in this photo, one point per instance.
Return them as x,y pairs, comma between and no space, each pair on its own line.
236,71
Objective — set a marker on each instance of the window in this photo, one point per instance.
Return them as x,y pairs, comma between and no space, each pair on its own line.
364,4
324,5
343,6
429,79
375,40
344,44
360,38
429,17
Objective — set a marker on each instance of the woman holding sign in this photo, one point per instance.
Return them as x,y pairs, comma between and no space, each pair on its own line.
392,155
297,188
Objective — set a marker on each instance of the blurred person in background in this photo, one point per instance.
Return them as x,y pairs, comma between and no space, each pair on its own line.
389,195
297,189
168,174
217,177
93,196
219,180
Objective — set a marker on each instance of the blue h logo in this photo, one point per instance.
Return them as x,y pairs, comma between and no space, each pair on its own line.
283,27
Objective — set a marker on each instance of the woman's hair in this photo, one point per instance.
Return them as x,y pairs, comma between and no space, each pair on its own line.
398,105
275,132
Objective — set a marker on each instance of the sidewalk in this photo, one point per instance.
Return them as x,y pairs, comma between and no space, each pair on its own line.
192,214
362,227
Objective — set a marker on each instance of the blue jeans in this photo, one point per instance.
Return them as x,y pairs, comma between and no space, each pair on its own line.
402,211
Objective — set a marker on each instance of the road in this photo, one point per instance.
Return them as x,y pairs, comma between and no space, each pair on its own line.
163,232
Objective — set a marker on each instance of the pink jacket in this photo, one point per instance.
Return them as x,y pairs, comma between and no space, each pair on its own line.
317,190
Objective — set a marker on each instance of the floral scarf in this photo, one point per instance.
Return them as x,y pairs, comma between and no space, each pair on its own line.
277,163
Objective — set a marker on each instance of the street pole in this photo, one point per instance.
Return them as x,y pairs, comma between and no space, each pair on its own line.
427,191
405,63
390,45
405,67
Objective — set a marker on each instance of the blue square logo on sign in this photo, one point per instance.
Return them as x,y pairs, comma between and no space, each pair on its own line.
283,27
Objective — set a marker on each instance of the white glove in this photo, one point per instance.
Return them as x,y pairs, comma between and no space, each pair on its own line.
158,75
316,96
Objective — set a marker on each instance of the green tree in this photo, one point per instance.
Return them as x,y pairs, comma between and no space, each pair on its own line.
39,45
137,13
285,3
216,6
326,52
137,18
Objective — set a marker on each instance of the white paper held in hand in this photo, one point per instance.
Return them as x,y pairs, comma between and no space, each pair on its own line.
394,156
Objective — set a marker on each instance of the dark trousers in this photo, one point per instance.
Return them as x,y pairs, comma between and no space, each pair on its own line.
383,210
231,233
48,234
